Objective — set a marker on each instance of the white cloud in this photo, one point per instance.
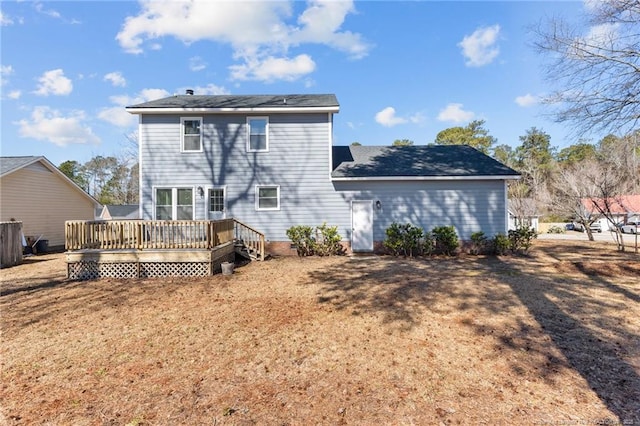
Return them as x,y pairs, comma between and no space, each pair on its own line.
454,113
526,100
5,71
260,33
196,63
5,20
49,12
271,69
116,79
50,125
321,22
602,35
54,82
118,116
480,47
209,89
387,117
14,94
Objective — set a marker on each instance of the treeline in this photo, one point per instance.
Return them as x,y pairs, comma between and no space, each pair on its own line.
108,179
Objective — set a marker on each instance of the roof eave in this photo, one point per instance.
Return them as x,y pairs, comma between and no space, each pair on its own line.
425,178
261,110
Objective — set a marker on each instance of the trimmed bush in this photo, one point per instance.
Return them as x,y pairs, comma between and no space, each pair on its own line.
520,239
428,245
403,239
323,240
446,240
479,243
327,241
500,244
302,237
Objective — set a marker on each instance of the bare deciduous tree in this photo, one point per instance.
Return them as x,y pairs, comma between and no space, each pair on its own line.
595,67
589,190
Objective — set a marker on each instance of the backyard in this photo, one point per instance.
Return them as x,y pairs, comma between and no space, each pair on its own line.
548,338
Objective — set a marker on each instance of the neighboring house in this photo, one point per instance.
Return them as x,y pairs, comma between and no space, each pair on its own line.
119,212
622,208
523,212
269,161
35,192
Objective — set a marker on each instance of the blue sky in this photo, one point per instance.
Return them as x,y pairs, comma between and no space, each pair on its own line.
400,70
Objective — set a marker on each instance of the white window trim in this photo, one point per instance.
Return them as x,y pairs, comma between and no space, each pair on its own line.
257,195
174,200
182,120
255,117
206,200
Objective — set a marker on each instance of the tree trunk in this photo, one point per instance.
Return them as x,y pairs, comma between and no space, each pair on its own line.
619,239
587,229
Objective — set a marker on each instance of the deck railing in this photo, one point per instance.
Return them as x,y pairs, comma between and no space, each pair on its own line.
147,234
253,240
160,234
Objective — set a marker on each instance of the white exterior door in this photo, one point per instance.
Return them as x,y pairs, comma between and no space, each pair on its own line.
362,225
216,203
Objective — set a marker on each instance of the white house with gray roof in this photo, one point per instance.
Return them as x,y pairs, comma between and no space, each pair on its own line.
269,161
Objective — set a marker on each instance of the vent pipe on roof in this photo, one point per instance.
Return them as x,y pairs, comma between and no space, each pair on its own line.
189,91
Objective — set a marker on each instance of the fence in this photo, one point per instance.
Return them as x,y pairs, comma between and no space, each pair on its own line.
10,243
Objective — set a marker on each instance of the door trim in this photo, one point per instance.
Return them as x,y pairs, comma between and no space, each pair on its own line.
367,239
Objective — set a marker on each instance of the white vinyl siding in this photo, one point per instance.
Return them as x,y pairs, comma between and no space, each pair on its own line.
257,134
43,201
191,134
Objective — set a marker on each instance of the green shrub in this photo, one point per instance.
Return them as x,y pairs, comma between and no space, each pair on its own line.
479,243
327,241
555,229
403,239
446,240
520,239
323,240
428,245
302,237
500,244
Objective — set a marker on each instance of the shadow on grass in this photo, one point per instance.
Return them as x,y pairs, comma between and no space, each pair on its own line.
570,314
572,318
9,289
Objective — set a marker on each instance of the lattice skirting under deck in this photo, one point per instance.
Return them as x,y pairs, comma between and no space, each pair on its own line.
92,270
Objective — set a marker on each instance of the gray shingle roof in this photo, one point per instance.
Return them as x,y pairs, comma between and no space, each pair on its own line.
415,161
9,164
242,101
123,211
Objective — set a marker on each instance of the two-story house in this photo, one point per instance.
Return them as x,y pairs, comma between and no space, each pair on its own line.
269,161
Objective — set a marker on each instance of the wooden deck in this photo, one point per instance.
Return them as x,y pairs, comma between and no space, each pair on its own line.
141,249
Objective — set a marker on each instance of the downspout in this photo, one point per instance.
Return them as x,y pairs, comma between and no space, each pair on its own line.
140,207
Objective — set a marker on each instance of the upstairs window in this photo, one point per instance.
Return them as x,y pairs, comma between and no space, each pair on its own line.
191,136
257,134
268,197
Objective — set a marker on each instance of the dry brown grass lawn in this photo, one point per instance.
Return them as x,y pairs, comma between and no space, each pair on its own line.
553,338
